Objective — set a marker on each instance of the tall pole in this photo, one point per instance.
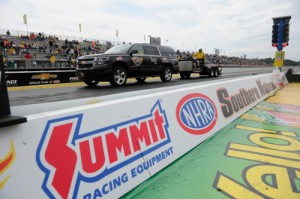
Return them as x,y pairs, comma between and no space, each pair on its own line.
117,35
25,22
80,31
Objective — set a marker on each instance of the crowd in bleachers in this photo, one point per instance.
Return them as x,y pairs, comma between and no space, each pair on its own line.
223,59
49,49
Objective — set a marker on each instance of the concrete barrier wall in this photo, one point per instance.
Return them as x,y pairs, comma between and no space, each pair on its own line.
249,69
106,149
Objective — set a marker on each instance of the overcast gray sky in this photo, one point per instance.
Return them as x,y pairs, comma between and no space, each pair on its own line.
236,27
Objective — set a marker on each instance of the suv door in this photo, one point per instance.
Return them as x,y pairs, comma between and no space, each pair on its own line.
138,62
169,56
153,60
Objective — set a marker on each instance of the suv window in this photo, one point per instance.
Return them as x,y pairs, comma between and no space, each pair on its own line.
118,49
166,51
151,50
139,48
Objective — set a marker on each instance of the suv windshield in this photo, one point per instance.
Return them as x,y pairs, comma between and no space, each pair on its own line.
119,49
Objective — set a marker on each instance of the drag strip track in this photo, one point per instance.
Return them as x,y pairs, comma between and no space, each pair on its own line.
21,96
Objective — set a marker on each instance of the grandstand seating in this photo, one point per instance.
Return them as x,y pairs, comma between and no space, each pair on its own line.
40,51
39,48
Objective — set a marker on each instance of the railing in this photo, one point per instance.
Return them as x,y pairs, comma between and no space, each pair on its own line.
20,64
18,33
39,61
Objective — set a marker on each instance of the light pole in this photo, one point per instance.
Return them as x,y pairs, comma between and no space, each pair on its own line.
80,31
117,35
25,22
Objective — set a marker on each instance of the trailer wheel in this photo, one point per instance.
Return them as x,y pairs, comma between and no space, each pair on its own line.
215,72
182,75
211,72
219,71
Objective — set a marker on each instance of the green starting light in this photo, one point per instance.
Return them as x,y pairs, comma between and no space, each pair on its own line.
286,32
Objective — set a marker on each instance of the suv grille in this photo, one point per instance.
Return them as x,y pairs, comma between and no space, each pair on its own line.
85,63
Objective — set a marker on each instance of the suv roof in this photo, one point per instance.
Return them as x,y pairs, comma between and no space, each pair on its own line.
124,48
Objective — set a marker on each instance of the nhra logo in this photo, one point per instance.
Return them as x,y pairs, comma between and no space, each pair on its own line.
196,113
69,157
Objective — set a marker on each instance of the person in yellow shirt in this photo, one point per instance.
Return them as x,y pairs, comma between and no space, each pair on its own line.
200,56
11,51
52,60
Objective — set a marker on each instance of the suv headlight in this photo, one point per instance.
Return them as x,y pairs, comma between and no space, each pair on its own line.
101,60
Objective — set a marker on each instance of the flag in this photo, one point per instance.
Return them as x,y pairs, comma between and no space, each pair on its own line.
80,27
117,33
25,18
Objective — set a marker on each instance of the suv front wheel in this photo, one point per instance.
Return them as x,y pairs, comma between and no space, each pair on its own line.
166,75
118,77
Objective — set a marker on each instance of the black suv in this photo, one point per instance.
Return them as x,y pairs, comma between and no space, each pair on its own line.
128,60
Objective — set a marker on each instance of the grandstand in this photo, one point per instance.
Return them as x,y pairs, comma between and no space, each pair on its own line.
66,49
42,47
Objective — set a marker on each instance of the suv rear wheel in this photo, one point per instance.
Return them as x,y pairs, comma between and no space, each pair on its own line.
90,82
118,77
166,75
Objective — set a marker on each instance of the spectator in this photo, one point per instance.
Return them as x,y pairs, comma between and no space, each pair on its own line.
67,42
52,60
7,33
76,52
32,36
183,56
12,51
6,43
200,56
51,42
178,54
1,43
4,61
28,59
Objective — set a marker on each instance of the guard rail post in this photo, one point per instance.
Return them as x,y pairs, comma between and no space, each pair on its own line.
5,118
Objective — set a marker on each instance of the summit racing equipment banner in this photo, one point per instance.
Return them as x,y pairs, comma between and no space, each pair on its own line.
104,150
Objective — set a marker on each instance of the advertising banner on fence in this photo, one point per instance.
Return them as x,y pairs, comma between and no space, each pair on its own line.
29,78
104,150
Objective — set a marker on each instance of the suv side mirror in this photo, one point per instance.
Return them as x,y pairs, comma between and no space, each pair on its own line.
133,52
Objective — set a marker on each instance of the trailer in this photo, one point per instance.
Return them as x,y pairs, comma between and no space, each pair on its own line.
187,67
